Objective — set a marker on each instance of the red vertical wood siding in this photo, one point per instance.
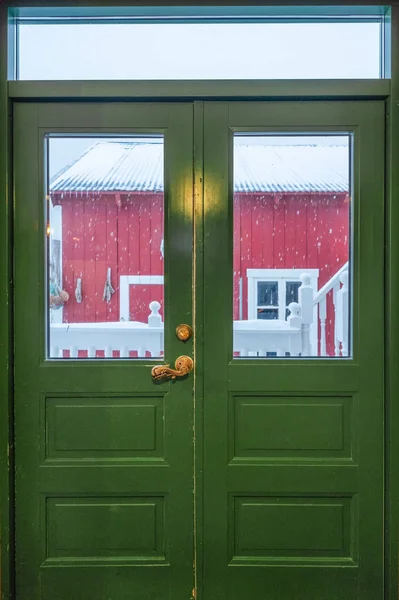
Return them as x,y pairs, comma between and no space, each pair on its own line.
124,232
100,232
298,231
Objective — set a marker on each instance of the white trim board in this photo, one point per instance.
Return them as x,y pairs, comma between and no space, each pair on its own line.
124,282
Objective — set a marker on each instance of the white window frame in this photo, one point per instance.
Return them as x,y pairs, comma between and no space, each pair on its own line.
55,219
124,282
282,276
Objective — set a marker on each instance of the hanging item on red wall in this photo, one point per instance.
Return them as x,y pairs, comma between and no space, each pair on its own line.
58,297
108,289
78,290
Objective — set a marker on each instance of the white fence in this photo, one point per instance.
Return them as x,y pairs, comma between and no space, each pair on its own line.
122,337
250,337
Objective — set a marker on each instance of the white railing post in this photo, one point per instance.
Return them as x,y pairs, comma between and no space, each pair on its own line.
294,321
124,309
124,352
305,298
294,318
343,313
323,318
154,319
336,289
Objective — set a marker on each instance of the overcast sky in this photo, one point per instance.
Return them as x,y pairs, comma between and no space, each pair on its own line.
200,51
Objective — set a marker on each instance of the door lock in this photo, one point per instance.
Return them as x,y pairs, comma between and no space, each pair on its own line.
183,366
184,332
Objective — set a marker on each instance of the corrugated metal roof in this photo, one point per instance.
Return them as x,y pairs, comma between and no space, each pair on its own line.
138,166
307,168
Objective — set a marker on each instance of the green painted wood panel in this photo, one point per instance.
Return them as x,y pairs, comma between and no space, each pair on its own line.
93,530
262,427
104,460
289,457
293,449
304,529
130,428
207,90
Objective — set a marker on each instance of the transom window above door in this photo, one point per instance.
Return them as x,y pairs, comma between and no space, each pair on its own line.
199,43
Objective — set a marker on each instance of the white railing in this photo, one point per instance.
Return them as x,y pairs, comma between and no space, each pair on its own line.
123,337
251,338
257,337
340,318
293,337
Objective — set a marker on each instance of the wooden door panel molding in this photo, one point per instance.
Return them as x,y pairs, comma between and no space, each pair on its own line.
302,530
263,428
76,535
86,428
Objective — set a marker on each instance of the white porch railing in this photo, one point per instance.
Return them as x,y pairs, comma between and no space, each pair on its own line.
293,337
251,338
257,337
123,337
340,318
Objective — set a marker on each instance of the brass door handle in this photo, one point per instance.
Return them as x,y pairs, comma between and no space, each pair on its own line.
183,366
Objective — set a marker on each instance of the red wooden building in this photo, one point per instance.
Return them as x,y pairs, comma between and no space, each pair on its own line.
291,214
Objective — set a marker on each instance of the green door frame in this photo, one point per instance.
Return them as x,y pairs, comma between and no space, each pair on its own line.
387,89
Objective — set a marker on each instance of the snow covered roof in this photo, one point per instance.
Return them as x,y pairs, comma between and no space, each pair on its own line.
128,166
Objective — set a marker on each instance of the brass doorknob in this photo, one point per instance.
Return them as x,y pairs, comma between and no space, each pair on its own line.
184,332
183,366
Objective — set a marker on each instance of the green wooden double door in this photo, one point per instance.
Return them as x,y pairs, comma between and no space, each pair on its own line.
260,474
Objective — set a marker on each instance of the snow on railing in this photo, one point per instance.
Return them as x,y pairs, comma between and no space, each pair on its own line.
121,337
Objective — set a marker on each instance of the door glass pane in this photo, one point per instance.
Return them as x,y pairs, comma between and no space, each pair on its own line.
199,50
268,314
291,245
105,247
